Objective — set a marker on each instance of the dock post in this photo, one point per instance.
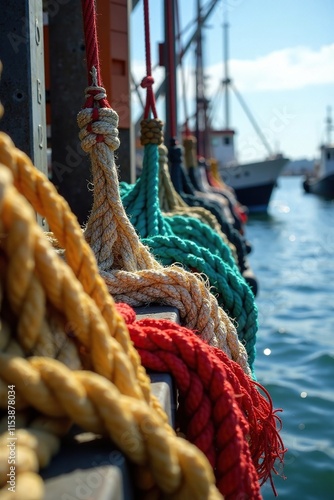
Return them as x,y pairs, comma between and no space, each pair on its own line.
22,85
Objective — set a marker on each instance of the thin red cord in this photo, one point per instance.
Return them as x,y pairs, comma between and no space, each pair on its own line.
148,81
92,53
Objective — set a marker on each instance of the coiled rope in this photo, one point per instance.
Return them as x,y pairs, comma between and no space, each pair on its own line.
45,287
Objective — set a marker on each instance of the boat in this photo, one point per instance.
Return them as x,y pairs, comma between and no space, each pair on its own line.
321,182
252,182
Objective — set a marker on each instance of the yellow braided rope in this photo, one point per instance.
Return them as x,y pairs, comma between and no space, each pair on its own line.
117,409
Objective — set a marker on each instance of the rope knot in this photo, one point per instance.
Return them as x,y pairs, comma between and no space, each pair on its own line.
147,82
98,125
95,95
151,131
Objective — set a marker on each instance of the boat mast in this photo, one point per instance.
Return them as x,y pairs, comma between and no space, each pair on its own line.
226,79
227,83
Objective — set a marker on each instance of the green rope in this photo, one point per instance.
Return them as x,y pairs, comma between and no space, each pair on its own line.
203,235
142,202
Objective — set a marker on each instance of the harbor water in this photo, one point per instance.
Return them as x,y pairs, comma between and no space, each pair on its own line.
293,258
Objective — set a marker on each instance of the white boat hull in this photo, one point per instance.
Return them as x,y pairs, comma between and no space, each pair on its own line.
254,182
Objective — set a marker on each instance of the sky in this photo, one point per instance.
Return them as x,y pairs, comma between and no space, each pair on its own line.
281,60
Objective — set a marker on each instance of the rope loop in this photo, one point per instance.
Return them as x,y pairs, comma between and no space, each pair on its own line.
151,131
98,125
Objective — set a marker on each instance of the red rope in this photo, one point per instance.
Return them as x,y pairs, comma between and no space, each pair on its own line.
148,80
92,56
220,408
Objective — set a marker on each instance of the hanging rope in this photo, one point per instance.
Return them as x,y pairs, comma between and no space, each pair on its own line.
162,237
171,202
148,80
194,198
37,286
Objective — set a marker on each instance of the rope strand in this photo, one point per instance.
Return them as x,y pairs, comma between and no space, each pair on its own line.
148,80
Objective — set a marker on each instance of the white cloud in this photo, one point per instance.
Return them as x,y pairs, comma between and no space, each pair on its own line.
285,69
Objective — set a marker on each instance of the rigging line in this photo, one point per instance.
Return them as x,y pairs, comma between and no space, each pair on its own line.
251,119
148,81
213,104
210,7
161,89
193,21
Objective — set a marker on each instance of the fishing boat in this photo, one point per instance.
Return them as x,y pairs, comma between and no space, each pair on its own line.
322,181
253,182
